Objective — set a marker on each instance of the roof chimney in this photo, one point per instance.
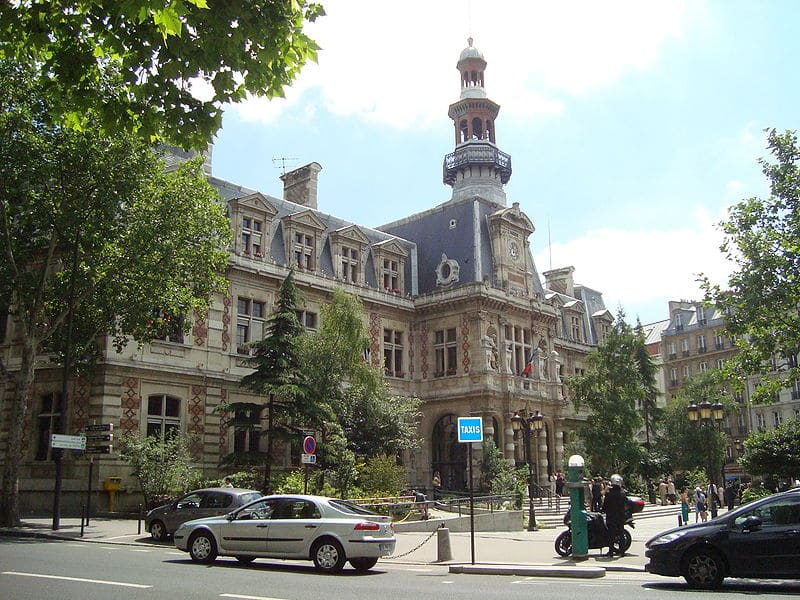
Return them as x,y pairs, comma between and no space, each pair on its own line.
300,185
561,280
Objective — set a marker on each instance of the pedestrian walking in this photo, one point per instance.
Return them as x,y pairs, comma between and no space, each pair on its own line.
701,511
671,496
662,491
684,506
560,483
597,494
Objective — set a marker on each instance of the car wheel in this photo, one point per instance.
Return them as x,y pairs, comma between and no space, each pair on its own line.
158,531
328,555
363,564
703,569
245,559
202,547
564,543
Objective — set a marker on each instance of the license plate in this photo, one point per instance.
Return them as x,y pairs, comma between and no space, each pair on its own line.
385,547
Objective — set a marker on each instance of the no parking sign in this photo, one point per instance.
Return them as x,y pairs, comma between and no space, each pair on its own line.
309,444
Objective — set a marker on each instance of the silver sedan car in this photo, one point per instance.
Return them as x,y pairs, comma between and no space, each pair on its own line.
327,531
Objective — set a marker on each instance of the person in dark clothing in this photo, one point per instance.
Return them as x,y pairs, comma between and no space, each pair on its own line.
597,495
614,508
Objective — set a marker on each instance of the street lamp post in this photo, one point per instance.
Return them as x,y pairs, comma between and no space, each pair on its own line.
529,427
708,416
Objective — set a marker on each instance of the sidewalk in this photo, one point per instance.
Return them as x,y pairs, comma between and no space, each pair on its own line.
521,553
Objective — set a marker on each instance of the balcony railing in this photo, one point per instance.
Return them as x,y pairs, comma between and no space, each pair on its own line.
476,153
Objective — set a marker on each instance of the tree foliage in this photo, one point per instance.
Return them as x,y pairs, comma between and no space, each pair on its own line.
762,297
774,452
94,228
160,465
612,387
156,53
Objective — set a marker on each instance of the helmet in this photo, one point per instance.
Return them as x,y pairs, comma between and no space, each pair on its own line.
616,479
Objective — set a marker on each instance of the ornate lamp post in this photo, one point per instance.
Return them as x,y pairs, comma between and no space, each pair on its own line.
529,427
708,416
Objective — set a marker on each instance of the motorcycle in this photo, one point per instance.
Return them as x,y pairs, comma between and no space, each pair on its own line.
598,532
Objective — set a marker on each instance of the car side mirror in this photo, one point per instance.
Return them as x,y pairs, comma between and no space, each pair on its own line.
752,523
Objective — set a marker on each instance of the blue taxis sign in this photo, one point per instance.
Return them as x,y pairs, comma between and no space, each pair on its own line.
470,429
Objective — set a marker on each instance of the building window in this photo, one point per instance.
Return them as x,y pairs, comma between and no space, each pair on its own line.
687,371
679,322
701,344
719,343
761,422
576,329
350,264
249,323
47,424
720,363
685,346
247,429
777,418
701,315
304,251
703,367
521,348
673,352
163,415
393,353
307,319
168,328
444,350
673,376
391,275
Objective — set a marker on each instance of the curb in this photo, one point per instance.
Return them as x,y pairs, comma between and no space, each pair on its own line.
530,571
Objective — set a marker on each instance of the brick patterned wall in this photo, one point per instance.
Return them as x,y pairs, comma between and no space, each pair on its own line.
465,344
131,404
195,426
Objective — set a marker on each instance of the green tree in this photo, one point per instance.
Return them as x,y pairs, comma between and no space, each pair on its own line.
774,452
155,51
381,476
612,387
95,233
761,298
360,404
279,375
651,413
160,465
497,476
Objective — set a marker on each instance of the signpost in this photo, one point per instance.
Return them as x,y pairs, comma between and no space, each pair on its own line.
309,457
470,430
68,442
99,440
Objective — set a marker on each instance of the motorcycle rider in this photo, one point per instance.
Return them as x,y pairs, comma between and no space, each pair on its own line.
614,508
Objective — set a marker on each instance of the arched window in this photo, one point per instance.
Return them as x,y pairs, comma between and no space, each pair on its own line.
463,128
449,455
477,128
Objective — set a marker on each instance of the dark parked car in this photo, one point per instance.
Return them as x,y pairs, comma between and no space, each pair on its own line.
162,521
758,540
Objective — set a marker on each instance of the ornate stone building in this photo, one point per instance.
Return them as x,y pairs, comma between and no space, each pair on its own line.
454,304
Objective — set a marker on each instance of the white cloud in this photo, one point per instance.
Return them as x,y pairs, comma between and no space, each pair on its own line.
395,63
635,269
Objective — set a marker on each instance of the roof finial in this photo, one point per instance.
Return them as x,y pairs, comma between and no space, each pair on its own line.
469,41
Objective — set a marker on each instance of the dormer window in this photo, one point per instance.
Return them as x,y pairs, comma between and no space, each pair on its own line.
251,236
391,275
350,264
304,251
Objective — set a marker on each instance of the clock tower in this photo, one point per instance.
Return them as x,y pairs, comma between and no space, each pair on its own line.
476,167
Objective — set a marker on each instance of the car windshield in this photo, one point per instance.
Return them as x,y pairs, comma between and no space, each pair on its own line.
249,497
349,507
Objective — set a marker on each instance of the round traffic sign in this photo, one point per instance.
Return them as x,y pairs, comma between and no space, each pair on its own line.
309,444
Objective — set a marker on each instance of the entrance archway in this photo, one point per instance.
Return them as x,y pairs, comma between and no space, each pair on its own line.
449,456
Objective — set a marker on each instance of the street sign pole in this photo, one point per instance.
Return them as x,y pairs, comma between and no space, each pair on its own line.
470,429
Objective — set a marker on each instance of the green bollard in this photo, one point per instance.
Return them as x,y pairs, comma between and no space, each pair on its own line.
578,526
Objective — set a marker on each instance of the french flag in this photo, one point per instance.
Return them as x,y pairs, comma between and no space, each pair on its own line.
529,365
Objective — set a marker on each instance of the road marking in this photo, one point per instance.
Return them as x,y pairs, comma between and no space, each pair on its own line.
79,579
145,550
249,597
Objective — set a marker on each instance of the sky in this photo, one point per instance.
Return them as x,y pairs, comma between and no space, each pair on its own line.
632,125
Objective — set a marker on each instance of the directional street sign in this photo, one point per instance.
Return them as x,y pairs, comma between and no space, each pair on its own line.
99,449
309,459
470,429
68,442
100,427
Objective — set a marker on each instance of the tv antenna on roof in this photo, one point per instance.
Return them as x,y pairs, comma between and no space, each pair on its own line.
280,163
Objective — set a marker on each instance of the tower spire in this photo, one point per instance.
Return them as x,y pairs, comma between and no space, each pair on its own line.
476,167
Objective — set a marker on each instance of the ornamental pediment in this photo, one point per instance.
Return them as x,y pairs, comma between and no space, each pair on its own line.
351,233
257,202
305,218
391,247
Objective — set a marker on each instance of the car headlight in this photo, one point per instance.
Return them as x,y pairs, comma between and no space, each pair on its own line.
667,538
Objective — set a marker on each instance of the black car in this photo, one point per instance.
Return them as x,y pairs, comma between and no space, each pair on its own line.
758,540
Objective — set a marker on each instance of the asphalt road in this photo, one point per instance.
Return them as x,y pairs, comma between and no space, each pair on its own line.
34,569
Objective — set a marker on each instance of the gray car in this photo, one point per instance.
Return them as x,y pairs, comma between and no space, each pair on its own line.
328,531
162,521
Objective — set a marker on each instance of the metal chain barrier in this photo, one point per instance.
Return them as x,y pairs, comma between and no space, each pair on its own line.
414,549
